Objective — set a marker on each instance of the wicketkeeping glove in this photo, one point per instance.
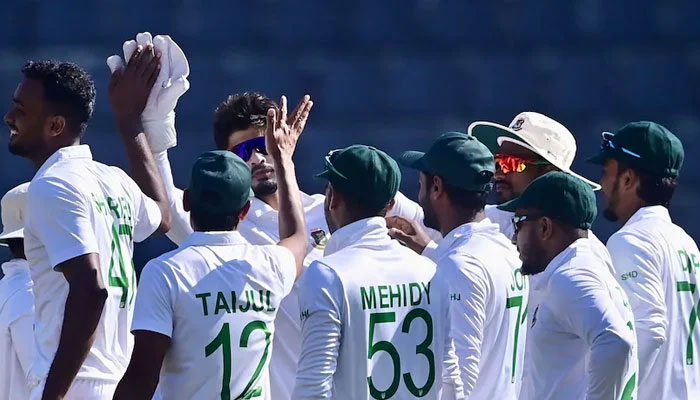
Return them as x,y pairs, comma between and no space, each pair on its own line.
158,118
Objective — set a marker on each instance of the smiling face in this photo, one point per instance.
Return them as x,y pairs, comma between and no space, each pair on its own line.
28,119
262,168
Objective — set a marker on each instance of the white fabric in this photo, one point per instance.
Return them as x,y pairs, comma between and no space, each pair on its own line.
215,285
14,206
580,343
77,206
261,227
350,287
158,117
657,264
504,219
488,308
82,389
16,329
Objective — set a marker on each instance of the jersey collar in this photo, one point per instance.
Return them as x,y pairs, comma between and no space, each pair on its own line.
539,281
464,232
650,212
66,153
214,239
369,231
15,266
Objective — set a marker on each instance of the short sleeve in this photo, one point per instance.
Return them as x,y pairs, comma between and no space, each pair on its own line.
60,217
284,265
154,301
147,215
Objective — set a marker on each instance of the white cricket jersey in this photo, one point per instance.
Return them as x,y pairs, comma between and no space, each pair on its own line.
216,297
16,329
261,227
580,343
504,219
657,264
374,321
77,206
488,308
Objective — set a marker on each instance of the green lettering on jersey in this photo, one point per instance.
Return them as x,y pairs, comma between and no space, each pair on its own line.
368,301
267,301
396,296
427,291
203,297
221,303
255,306
414,295
247,304
383,295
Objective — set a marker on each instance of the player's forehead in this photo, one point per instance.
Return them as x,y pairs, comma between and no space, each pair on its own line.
241,136
28,91
513,149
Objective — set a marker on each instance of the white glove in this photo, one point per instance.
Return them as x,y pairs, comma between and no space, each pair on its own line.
158,118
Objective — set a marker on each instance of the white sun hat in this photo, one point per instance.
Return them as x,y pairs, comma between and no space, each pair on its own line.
536,132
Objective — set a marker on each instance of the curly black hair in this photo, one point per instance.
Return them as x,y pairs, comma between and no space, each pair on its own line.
239,112
68,88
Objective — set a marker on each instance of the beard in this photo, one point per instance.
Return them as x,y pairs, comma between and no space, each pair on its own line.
264,187
429,218
530,269
502,192
329,219
609,212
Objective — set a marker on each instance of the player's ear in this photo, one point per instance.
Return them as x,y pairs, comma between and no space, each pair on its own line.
391,205
244,211
56,125
438,187
186,200
545,227
334,198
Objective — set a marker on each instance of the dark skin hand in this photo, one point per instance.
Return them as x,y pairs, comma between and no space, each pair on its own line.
128,93
83,309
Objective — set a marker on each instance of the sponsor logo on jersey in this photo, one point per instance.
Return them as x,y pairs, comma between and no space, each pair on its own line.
319,238
534,317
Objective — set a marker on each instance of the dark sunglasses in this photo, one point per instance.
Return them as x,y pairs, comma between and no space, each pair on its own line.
519,219
245,149
608,144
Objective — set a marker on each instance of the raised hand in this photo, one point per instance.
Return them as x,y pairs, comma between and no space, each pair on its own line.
131,86
282,133
158,117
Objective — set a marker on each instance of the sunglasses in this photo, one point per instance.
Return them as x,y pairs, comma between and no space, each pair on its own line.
515,163
519,219
246,149
608,144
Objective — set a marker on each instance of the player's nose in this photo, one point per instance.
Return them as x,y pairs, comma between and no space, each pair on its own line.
256,158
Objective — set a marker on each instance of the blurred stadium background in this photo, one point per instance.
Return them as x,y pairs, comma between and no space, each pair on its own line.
394,74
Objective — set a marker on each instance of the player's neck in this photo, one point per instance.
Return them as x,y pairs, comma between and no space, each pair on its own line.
40,157
272,201
455,217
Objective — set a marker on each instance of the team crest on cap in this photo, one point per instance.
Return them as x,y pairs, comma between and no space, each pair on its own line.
518,125
319,238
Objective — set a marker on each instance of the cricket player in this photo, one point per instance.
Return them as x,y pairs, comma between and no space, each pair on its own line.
656,262
239,126
488,293
82,220
581,342
16,300
532,145
216,286
374,316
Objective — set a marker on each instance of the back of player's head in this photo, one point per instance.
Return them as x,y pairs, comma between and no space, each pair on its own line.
366,176
68,89
219,189
240,112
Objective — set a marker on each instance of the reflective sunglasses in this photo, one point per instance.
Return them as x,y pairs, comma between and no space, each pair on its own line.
517,220
608,144
245,149
515,163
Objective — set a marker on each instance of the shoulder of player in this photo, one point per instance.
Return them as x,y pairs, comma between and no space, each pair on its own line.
47,186
578,276
635,241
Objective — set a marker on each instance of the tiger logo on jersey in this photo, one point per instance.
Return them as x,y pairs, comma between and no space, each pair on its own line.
319,238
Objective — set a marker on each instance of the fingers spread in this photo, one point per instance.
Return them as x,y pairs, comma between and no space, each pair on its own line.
283,109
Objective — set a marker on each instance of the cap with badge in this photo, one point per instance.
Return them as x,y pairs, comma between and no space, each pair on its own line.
535,132
459,159
643,145
363,172
220,183
558,195
14,206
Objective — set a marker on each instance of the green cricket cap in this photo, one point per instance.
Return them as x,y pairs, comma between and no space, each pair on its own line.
365,173
220,183
459,159
558,195
643,145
